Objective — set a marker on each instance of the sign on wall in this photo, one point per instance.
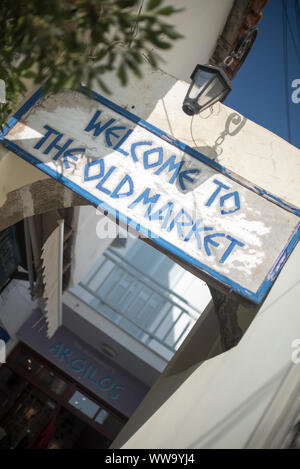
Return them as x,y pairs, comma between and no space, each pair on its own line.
84,364
163,189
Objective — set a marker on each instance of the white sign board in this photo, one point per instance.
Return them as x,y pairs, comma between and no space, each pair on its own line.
183,201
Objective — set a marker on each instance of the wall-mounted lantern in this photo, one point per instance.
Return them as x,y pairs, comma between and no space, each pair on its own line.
211,84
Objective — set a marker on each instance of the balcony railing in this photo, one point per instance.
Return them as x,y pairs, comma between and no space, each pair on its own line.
140,305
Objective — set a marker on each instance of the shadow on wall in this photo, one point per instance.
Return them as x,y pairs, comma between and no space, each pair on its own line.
166,387
233,125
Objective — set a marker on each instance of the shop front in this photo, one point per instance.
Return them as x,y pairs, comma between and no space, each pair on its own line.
60,393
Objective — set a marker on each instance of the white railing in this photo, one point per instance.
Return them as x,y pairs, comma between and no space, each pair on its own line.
151,312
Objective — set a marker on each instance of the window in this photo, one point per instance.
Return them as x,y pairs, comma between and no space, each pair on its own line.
109,422
51,381
96,413
84,404
28,363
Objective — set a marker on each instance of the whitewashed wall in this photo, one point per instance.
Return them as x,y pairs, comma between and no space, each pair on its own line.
220,403
201,22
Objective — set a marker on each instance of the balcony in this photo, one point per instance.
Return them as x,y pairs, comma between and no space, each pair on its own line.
141,304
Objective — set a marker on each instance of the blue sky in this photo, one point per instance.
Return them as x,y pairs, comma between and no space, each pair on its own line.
259,91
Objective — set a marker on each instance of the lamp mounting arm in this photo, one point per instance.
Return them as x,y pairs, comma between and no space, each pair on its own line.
233,62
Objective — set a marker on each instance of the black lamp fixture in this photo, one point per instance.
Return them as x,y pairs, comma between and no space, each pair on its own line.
211,84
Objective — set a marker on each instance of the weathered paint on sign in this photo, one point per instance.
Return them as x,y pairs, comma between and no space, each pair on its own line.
165,190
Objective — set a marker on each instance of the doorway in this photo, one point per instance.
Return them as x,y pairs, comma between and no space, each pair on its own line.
72,433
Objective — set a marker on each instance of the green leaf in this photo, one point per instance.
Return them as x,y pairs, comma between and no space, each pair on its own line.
28,74
134,67
54,38
103,85
152,59
152,4
26,63
161,44
172,34
122,74
167,11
